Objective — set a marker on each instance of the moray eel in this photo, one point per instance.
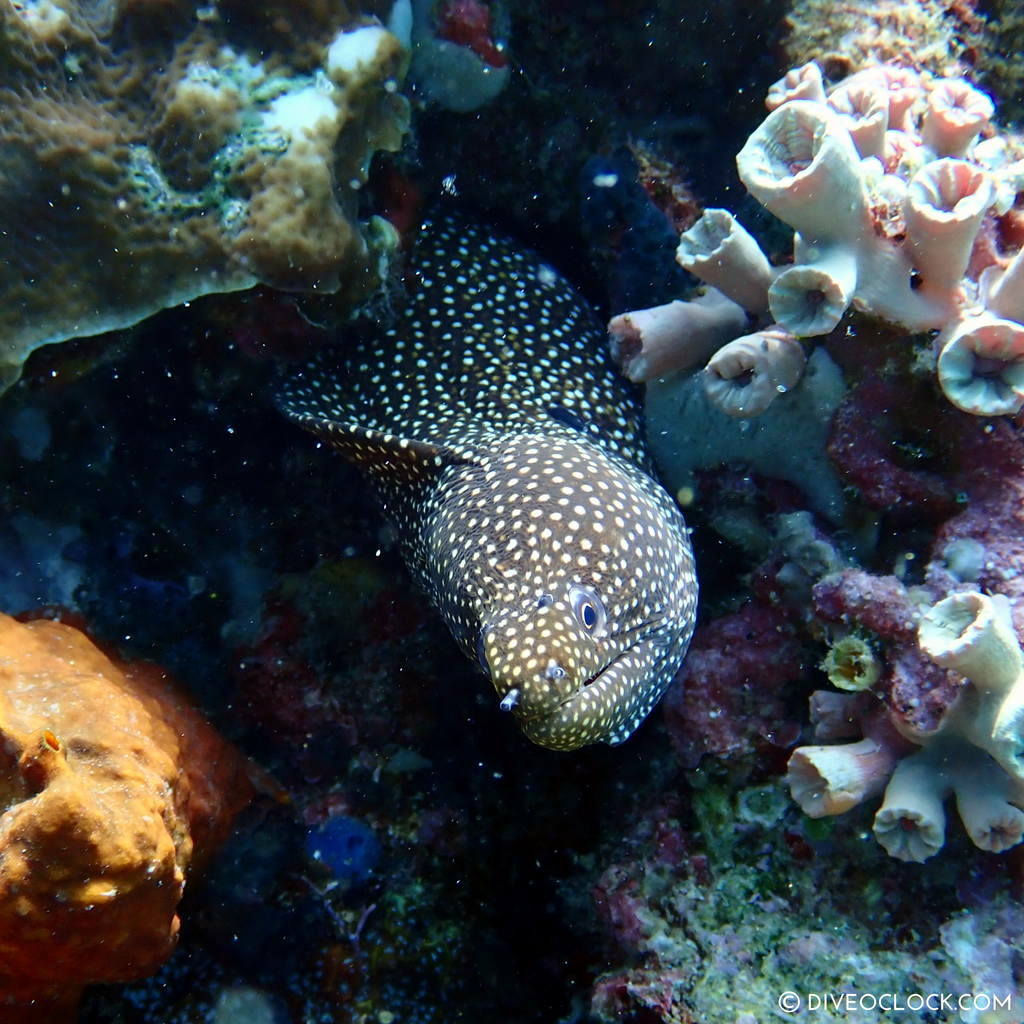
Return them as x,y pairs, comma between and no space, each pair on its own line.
509,453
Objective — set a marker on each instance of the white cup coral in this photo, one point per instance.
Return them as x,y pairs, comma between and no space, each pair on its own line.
863,107
723,254
811,297
973,754
945,204
911,823
803,166
981,365
744,377
1004,289
827,780
956,113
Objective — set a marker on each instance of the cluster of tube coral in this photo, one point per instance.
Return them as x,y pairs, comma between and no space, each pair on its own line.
901,196
974,753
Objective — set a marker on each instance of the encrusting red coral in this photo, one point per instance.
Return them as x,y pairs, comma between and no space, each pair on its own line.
112,790
468,23
869,431
727,696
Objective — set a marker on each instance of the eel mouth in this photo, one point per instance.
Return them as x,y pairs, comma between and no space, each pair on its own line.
607,707
554,718
550,711
595,678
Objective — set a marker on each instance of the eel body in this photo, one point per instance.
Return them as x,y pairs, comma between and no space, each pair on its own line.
509,453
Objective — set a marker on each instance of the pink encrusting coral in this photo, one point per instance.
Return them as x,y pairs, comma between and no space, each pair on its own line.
899,191
729,694
874,422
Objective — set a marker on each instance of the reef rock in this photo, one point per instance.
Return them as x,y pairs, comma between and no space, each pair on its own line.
152,153
112,790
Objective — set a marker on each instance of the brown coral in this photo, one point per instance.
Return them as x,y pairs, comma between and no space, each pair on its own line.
111,788
844,37
162,151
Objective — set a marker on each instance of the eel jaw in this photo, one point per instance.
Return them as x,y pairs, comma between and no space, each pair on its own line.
608,707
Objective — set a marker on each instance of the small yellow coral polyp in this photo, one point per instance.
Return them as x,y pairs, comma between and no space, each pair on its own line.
144,163
851,665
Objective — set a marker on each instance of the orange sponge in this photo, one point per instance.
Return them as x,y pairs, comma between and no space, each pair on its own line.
111,789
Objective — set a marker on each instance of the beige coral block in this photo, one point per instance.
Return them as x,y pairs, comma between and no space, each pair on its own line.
135,176
198,119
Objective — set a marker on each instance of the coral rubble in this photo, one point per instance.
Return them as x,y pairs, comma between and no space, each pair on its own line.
149,157
713,923
114,790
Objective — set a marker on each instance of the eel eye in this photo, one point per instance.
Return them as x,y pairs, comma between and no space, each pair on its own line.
587,607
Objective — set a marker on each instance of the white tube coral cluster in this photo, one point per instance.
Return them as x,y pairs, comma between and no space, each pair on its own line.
888,184
803,164
974,754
